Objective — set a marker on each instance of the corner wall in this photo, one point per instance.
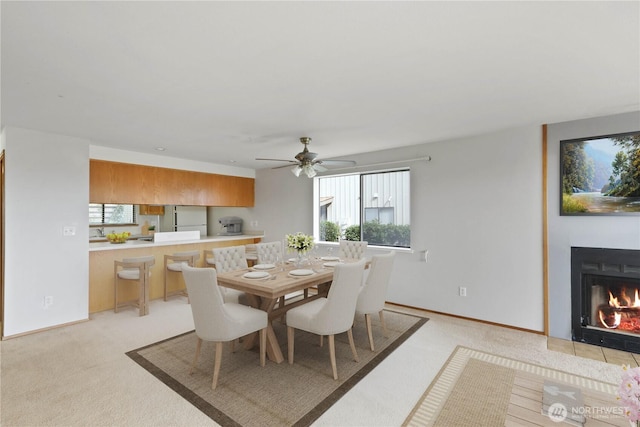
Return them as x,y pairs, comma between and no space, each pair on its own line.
621,232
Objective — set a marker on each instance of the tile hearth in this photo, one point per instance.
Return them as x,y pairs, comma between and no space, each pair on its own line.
594,352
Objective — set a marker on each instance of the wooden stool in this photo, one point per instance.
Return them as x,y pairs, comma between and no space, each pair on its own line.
173,263
136,270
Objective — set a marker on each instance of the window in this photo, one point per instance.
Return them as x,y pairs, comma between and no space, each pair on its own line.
381,198
111,214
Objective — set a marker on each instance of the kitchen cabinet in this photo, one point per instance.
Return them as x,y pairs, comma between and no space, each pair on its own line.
151,209
125,183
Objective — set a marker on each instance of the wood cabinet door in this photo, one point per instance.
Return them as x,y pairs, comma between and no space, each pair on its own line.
151,210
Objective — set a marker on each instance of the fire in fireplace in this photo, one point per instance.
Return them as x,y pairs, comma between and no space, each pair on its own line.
605,288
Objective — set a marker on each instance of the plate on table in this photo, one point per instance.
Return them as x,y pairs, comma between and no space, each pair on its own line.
302,272
290,260
330,258
255,275
264,266
331,263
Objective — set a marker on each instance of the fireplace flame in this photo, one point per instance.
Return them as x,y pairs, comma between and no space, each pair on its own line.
614,302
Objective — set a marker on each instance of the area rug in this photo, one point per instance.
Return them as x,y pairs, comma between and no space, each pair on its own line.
483,389
277,394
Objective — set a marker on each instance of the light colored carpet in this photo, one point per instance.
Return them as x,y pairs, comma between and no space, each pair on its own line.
278,394
483,389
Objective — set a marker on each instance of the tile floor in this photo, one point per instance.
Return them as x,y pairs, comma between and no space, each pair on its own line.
594,352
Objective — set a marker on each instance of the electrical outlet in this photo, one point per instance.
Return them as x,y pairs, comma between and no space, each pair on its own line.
48,301
462,291
68,230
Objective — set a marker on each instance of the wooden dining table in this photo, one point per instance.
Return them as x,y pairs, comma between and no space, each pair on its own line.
264,293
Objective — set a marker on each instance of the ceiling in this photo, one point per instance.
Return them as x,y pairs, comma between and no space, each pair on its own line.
228,82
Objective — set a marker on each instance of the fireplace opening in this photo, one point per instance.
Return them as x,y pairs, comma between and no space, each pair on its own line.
615,303
605,297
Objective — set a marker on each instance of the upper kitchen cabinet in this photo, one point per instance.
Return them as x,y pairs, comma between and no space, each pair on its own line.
113,182
151,210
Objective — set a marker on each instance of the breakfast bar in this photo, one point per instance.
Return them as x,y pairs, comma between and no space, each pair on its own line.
102,256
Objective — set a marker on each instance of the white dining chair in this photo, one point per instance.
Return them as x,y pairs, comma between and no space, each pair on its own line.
227,259
173,264
331,315
219,321
350,249
373,293
269,252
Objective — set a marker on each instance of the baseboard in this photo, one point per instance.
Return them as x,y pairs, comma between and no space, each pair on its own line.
48,328
486,322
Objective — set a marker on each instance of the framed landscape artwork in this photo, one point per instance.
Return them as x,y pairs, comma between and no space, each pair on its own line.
600,175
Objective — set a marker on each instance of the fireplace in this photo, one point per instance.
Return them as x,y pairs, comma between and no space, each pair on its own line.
605,300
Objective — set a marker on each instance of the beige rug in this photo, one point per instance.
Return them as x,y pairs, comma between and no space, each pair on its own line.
474,388
278,394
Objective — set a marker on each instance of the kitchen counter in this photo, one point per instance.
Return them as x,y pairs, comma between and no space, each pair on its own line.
134,243
103,254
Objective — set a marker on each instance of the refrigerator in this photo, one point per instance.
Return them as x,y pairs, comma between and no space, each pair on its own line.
186,218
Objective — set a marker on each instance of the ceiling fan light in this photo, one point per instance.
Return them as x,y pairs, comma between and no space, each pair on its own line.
296,170
309,171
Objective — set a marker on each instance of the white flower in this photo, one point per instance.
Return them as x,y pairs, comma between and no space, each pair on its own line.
299,242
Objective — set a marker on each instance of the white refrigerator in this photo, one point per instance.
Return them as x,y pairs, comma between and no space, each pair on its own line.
188,218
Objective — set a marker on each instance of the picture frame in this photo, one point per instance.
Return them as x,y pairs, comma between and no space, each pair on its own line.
600,175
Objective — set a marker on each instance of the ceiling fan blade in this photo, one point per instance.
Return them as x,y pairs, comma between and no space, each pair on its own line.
279,160
319,167
337,162
284,166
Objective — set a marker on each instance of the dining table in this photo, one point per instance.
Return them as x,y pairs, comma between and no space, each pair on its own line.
265,285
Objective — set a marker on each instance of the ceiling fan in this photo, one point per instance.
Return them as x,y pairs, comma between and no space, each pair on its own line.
306,161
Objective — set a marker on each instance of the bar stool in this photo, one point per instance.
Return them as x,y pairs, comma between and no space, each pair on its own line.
173,263
136,270
209,261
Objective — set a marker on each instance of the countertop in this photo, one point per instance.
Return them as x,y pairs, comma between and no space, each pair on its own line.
106,246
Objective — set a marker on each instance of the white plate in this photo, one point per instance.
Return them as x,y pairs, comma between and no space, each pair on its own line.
301,272
330,258
331,264
264,266
255,275
292,260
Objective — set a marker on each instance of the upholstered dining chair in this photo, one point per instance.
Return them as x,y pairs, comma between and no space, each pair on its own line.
373,293
173,264
228,259
219,321
269,252
350,249
331,315
134,270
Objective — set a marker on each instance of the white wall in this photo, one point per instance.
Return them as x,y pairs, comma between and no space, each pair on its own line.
621,232
476,207
46,189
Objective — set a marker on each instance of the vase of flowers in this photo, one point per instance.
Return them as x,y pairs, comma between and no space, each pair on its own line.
301,243
629,394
